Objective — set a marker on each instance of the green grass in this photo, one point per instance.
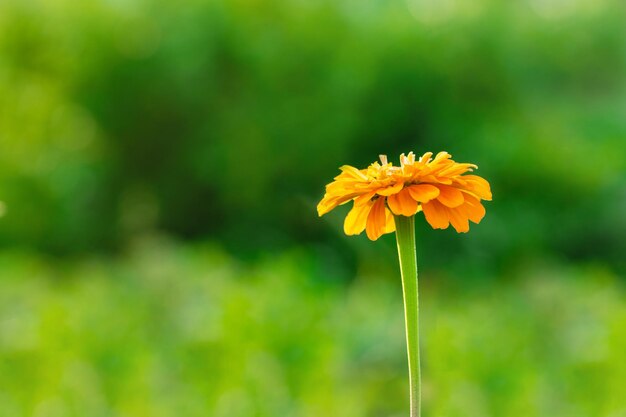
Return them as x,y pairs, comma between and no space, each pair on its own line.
171,330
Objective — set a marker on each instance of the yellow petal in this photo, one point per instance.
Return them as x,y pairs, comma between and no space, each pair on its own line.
402,203
356,219
393,189
473,209
364,198
425,158
458,219
478,186
327,204
407,159
456,169
450,196
376,220
330,201
353,172
390,223
423,193
434,179
441,157
435,214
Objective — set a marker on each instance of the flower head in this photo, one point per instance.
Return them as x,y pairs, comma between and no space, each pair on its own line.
435,186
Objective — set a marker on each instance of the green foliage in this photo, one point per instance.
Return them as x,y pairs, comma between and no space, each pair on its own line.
172,330
222,121
215,118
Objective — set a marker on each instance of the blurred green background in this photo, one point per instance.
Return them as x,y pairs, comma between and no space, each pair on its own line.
160,164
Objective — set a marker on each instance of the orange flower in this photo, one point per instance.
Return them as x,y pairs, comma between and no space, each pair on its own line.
436,187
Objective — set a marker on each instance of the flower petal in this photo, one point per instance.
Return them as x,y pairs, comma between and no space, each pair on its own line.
424,159
436,214
330,201
353,172
478,185
327,204
434,179
441,157
456,169
458,219
473,209
365,198
423,193
450,196
356,219
402,203
393,189
390,224
376,220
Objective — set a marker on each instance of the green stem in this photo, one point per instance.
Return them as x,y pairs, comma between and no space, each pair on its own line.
405,235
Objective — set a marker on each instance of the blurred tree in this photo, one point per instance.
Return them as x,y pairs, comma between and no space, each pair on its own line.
215,119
